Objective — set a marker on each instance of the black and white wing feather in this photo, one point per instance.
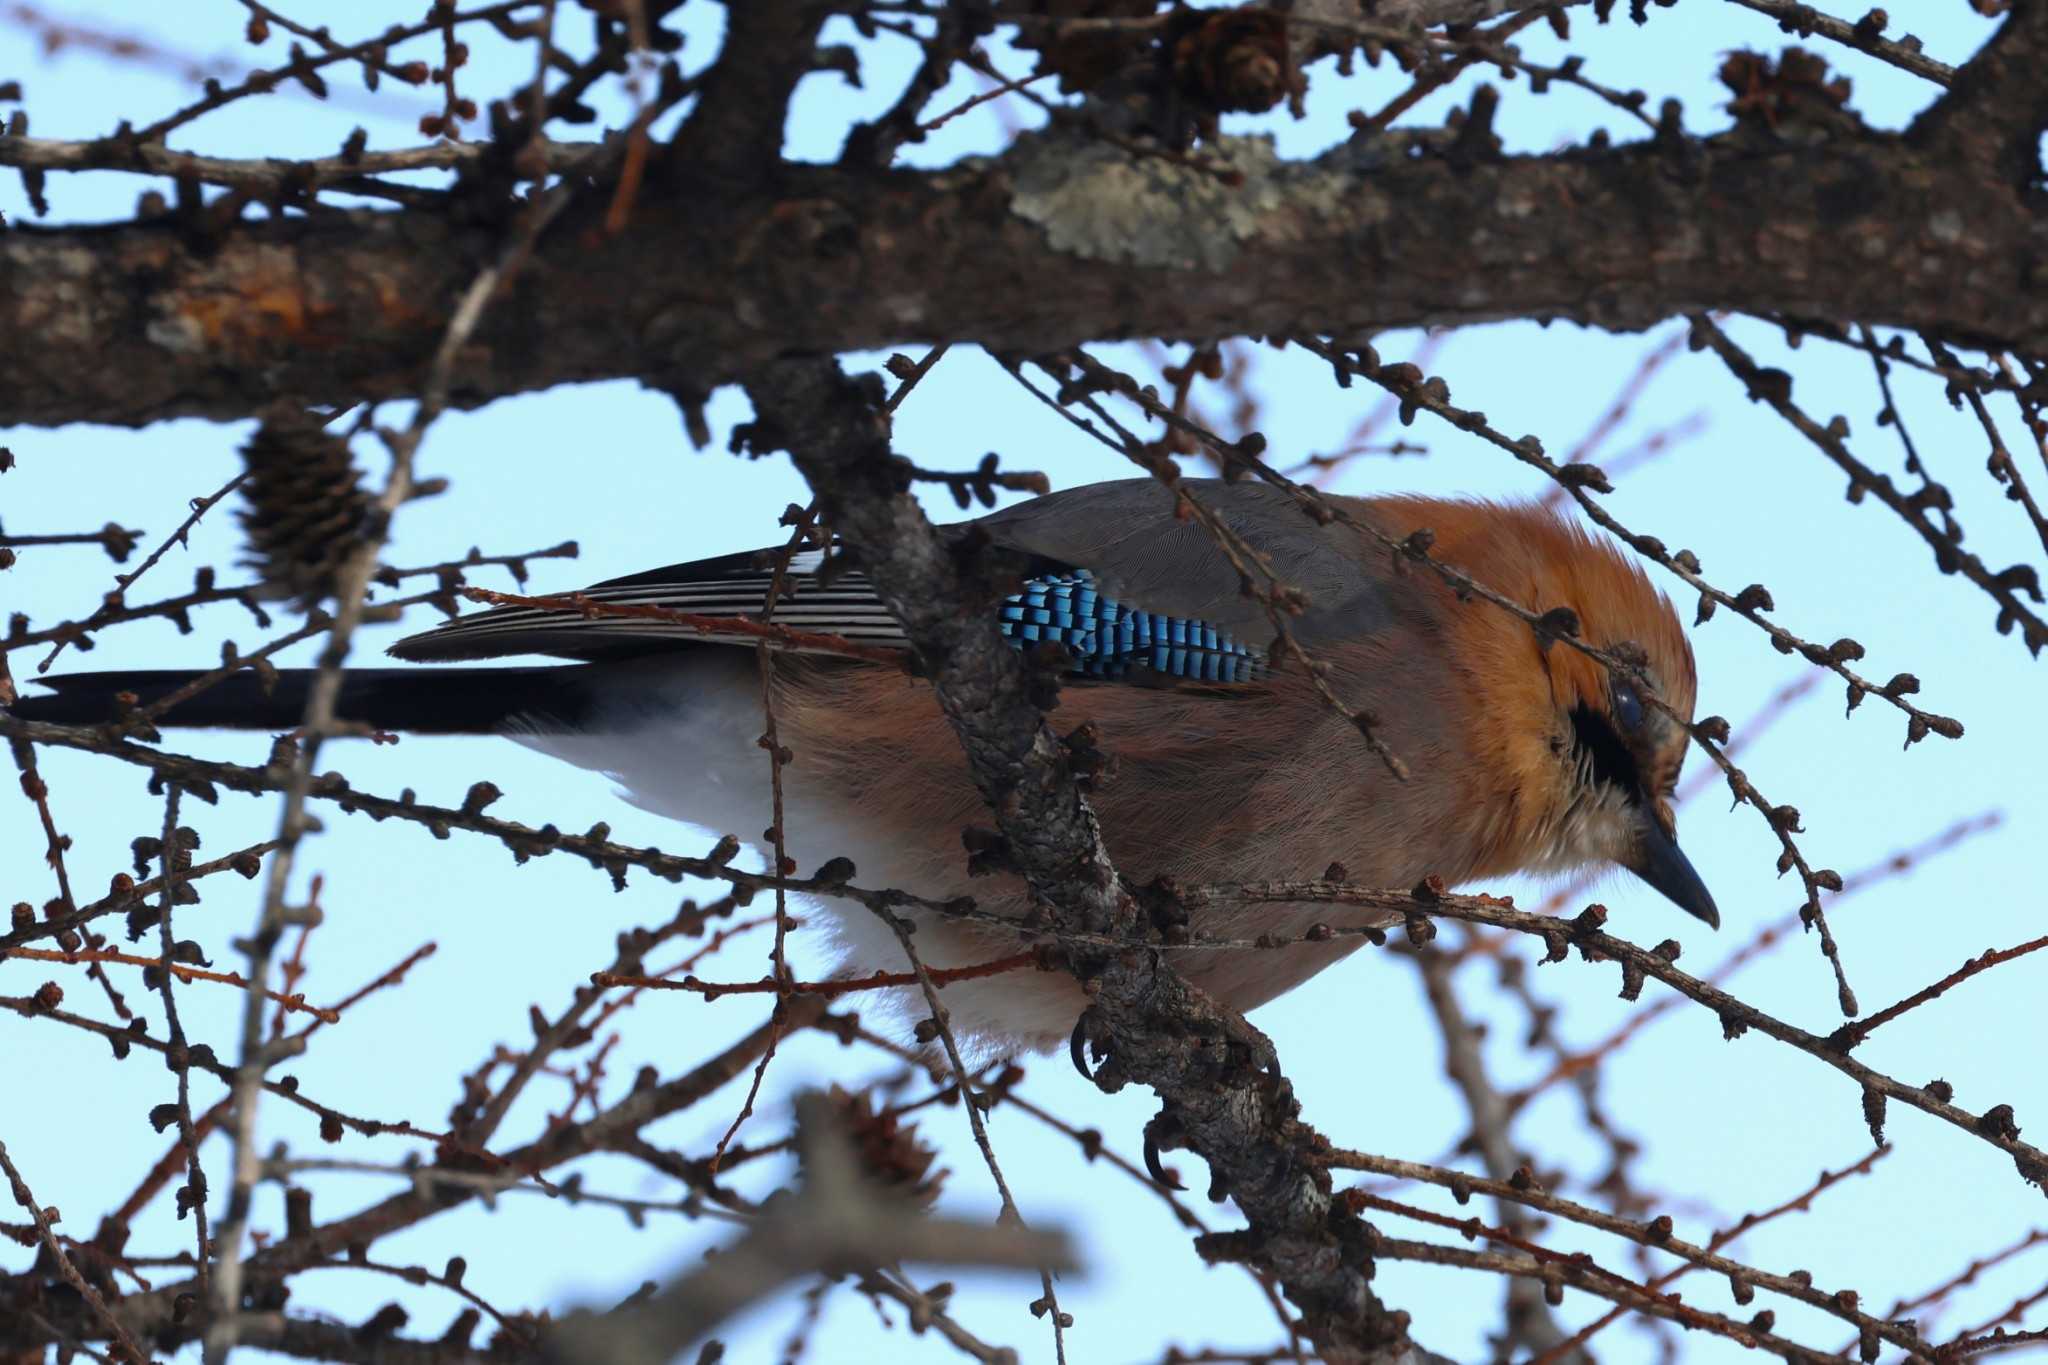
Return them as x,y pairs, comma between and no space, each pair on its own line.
727,587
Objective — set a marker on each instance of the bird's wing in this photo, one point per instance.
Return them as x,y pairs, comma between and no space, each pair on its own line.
1127,535
1111,574
731,586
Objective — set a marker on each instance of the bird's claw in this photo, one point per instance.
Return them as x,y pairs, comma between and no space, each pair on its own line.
1166,1131
1081,1042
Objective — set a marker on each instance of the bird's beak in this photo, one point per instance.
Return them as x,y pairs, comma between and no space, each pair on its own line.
1656,860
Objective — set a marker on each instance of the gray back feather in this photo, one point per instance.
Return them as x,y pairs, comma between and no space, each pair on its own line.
1126,534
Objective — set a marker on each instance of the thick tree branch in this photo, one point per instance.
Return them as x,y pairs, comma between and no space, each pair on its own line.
1059,240
1997,104
737,131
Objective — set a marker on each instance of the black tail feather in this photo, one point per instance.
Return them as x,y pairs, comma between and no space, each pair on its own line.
427,701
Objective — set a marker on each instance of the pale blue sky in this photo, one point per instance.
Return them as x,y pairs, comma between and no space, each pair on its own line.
1727,1127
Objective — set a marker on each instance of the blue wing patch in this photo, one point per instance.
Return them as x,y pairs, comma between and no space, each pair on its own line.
1109,640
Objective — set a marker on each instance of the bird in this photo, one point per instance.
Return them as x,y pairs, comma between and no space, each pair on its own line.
1521,754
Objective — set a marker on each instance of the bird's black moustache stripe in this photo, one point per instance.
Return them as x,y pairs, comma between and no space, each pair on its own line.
1595,738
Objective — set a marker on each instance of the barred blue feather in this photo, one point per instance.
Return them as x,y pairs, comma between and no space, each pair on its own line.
1108,640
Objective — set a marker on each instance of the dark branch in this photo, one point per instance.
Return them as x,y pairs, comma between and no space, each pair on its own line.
1031,252
1997,105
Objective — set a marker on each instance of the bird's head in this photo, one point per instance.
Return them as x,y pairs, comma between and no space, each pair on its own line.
1592,758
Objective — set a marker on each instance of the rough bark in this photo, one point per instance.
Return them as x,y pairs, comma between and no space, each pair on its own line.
1058,241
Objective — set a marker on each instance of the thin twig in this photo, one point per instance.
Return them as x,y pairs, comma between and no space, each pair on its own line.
118,598
194,1196
184,971
351,587
54,1249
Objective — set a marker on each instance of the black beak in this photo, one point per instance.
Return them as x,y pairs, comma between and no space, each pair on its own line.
1658,862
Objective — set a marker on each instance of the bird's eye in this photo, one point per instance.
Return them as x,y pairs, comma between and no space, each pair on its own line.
1628,707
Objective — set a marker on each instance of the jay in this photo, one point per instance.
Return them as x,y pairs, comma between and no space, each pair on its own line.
1521,758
